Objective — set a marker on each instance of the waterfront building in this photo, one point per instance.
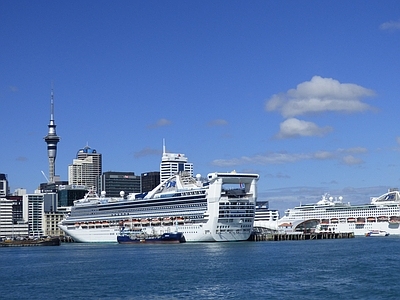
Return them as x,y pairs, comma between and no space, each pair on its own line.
52,140
86,168
51,220
173,163
33,212
4,188
149,181
115,182
12,223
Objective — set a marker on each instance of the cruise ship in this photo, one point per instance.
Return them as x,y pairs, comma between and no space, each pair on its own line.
215,209
265,219
331,214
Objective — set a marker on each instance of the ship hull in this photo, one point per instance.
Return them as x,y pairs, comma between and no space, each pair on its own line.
191,233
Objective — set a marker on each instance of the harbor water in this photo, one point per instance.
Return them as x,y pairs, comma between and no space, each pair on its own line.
358,268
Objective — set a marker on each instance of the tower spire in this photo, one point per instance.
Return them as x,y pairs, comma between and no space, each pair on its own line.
51,140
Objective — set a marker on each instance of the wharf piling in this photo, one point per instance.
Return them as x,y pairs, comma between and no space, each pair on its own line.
257,236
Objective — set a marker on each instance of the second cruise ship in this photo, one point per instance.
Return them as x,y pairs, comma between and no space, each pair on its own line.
331,214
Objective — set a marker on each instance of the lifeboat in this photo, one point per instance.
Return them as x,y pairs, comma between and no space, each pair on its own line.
167,221
351,220
383,219
394,220
360,221
371,219
334,220
325,221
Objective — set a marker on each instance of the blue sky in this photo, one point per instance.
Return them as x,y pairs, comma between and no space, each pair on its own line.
305,93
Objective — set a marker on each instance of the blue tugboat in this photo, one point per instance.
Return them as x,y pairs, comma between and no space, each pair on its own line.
165,238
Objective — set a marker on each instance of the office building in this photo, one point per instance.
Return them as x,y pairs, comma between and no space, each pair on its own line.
115,182
173,163
149,181
67,194
12,223
86,168
4,188
50,222
33,212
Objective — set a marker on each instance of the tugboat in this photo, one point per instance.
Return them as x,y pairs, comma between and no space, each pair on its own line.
131,237
377,233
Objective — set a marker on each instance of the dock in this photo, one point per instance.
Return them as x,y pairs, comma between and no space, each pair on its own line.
297,236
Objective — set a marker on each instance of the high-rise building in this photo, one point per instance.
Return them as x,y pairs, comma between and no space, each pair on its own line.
115,182
33,212
86,168
51,140
149,181
12,223
67,194
173,163
4,188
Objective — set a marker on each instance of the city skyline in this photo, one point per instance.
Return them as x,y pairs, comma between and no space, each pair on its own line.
303,93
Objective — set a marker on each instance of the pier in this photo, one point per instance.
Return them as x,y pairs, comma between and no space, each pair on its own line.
258,237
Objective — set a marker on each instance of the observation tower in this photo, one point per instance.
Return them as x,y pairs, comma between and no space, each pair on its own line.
51,140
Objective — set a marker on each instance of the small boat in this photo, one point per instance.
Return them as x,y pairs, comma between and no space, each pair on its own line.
28,242
377,233
165,238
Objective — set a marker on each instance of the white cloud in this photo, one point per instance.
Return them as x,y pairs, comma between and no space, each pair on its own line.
294,128
323,155
160,123
320,95
269,158
391,25
340,155
351,160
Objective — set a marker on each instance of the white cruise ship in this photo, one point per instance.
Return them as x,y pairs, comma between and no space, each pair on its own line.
220,208
331,214
265,219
